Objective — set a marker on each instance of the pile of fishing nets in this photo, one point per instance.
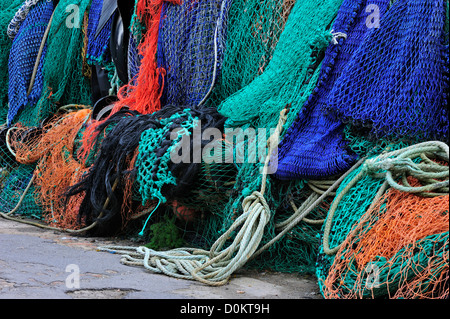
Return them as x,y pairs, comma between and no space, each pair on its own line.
294,136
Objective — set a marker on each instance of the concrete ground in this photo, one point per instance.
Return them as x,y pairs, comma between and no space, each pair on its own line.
44,264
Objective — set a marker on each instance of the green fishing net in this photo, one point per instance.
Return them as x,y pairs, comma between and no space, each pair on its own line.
7,11
14,178
64,84
256,87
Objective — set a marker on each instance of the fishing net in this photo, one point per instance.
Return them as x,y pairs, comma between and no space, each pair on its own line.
410,262
314,146
253,29
25,79
98,44
250,106
63,80
394,243
14,178
190,49
19,17
8,10
62,83
52,148
248,175
395,83
143,92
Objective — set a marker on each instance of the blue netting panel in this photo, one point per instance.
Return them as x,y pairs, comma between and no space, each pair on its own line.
97,49
190,49
22,59
396,82
314,146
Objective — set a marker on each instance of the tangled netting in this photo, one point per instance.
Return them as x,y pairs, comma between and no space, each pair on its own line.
52,148
8,10
314,146
186,157
253,29
19,17
64,83
394,243
139,148
14,178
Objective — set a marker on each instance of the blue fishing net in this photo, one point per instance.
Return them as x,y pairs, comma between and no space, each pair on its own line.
314,146
97,48
190,48
396,81
22,59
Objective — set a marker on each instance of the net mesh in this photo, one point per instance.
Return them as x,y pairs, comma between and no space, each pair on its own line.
386,88
257,104
190,49
23,57
63,82
14,178
314,146
98,44
236,61
57,167
8,10
411,260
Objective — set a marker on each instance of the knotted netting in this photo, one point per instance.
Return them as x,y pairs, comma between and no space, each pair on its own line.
299,28
386,234
97,51
253,30
26,61
395,83
15,179
51,149
284,79
190,49
19,17
62,83
63,79
314,146
8,10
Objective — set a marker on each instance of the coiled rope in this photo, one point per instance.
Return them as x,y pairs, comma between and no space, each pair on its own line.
216,266
397,165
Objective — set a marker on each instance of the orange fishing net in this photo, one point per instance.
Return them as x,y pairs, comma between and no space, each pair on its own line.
142,94
57,167
399,248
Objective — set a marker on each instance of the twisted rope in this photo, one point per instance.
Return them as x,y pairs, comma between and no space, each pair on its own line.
216,266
